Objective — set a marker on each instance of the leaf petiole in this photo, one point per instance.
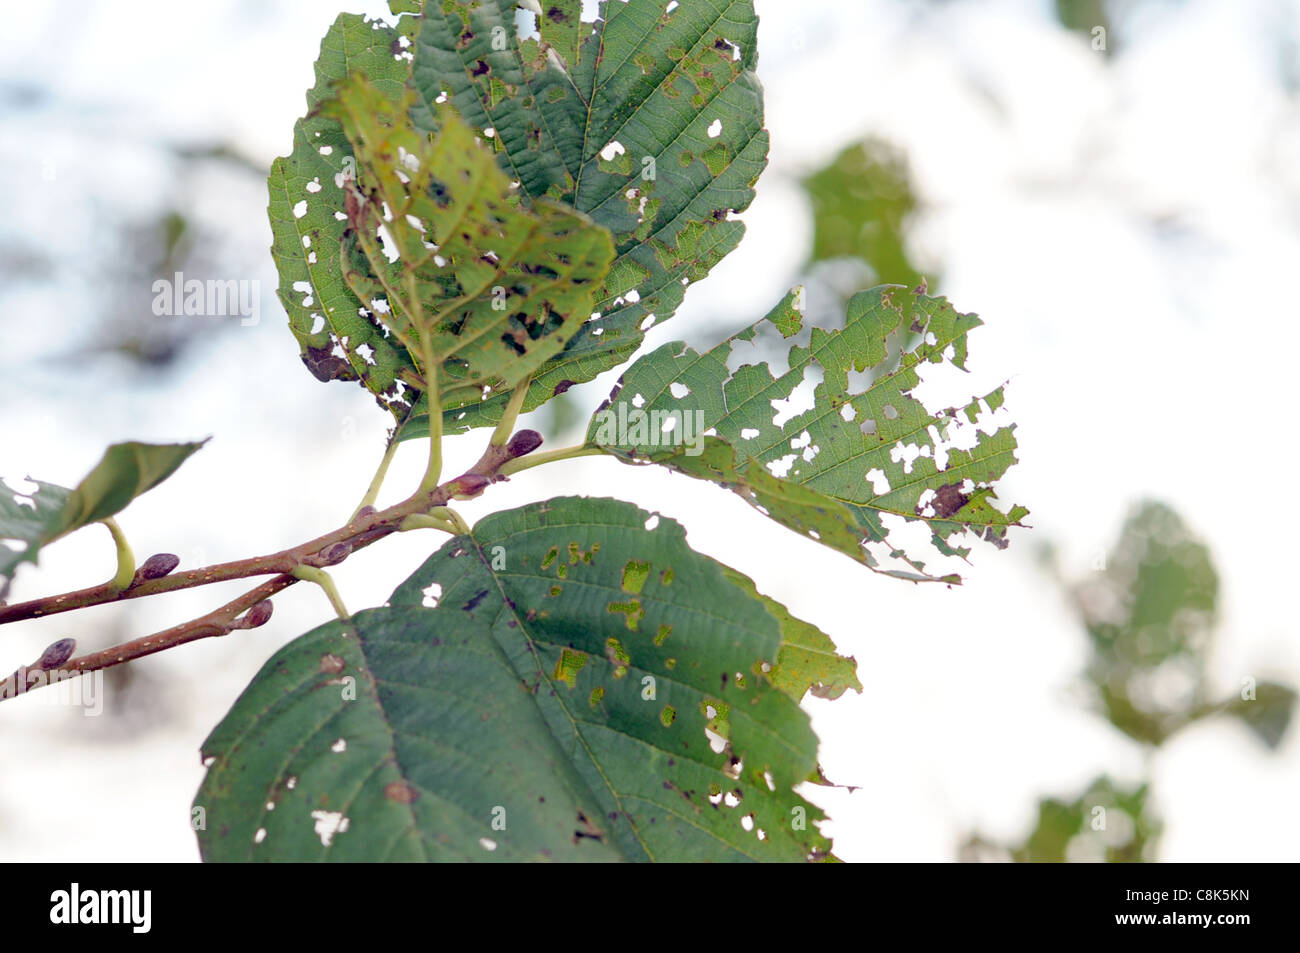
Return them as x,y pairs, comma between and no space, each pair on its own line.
125,558
425,521
506,426
550,456
323,579
372,492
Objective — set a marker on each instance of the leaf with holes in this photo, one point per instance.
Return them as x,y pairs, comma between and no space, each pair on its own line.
446,255
585,688
340,339
808,661
649,119
862,456
36,519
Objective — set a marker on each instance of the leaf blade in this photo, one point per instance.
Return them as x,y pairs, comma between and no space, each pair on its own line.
840,470
676,91
125,471
642,772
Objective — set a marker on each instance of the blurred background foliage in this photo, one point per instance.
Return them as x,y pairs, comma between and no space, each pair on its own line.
1150,611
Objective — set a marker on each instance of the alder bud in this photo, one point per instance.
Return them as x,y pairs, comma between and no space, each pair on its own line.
260,614
56,654
334,554
524,442
157,566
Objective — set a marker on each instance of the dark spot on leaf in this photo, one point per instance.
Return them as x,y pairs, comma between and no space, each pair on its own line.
326,366
470,606
948,500
401,792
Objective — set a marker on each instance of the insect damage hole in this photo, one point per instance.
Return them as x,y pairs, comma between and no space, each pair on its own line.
328,825
432,593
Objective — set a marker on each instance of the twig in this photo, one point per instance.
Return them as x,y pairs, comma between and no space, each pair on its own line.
365,529
254,607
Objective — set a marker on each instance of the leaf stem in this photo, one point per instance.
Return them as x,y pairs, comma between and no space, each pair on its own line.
434,471
506,425
452,517
425,521
326,582
549,456
372,492
125,558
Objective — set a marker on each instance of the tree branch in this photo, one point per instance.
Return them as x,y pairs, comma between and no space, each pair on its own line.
254,607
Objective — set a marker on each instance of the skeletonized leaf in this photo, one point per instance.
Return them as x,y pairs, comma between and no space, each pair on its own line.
124,472
564,684
445,254
865,453
650,120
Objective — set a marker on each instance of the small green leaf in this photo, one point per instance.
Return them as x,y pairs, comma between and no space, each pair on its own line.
1268,713
865,454
126,471
862,203
1109,821
541,709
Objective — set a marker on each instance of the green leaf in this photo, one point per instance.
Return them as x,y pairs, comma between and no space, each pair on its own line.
563,684
126,471
670,97
1109,822
1267,712
481,284
808,661
862,203
307,216
866,453
1151,612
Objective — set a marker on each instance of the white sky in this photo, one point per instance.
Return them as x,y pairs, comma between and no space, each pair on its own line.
1127,230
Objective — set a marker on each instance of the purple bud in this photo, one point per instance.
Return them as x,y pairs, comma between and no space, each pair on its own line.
333,555
260,614
56,654
157,566
525,441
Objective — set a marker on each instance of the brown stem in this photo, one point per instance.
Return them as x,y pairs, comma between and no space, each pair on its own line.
325,550
358,532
